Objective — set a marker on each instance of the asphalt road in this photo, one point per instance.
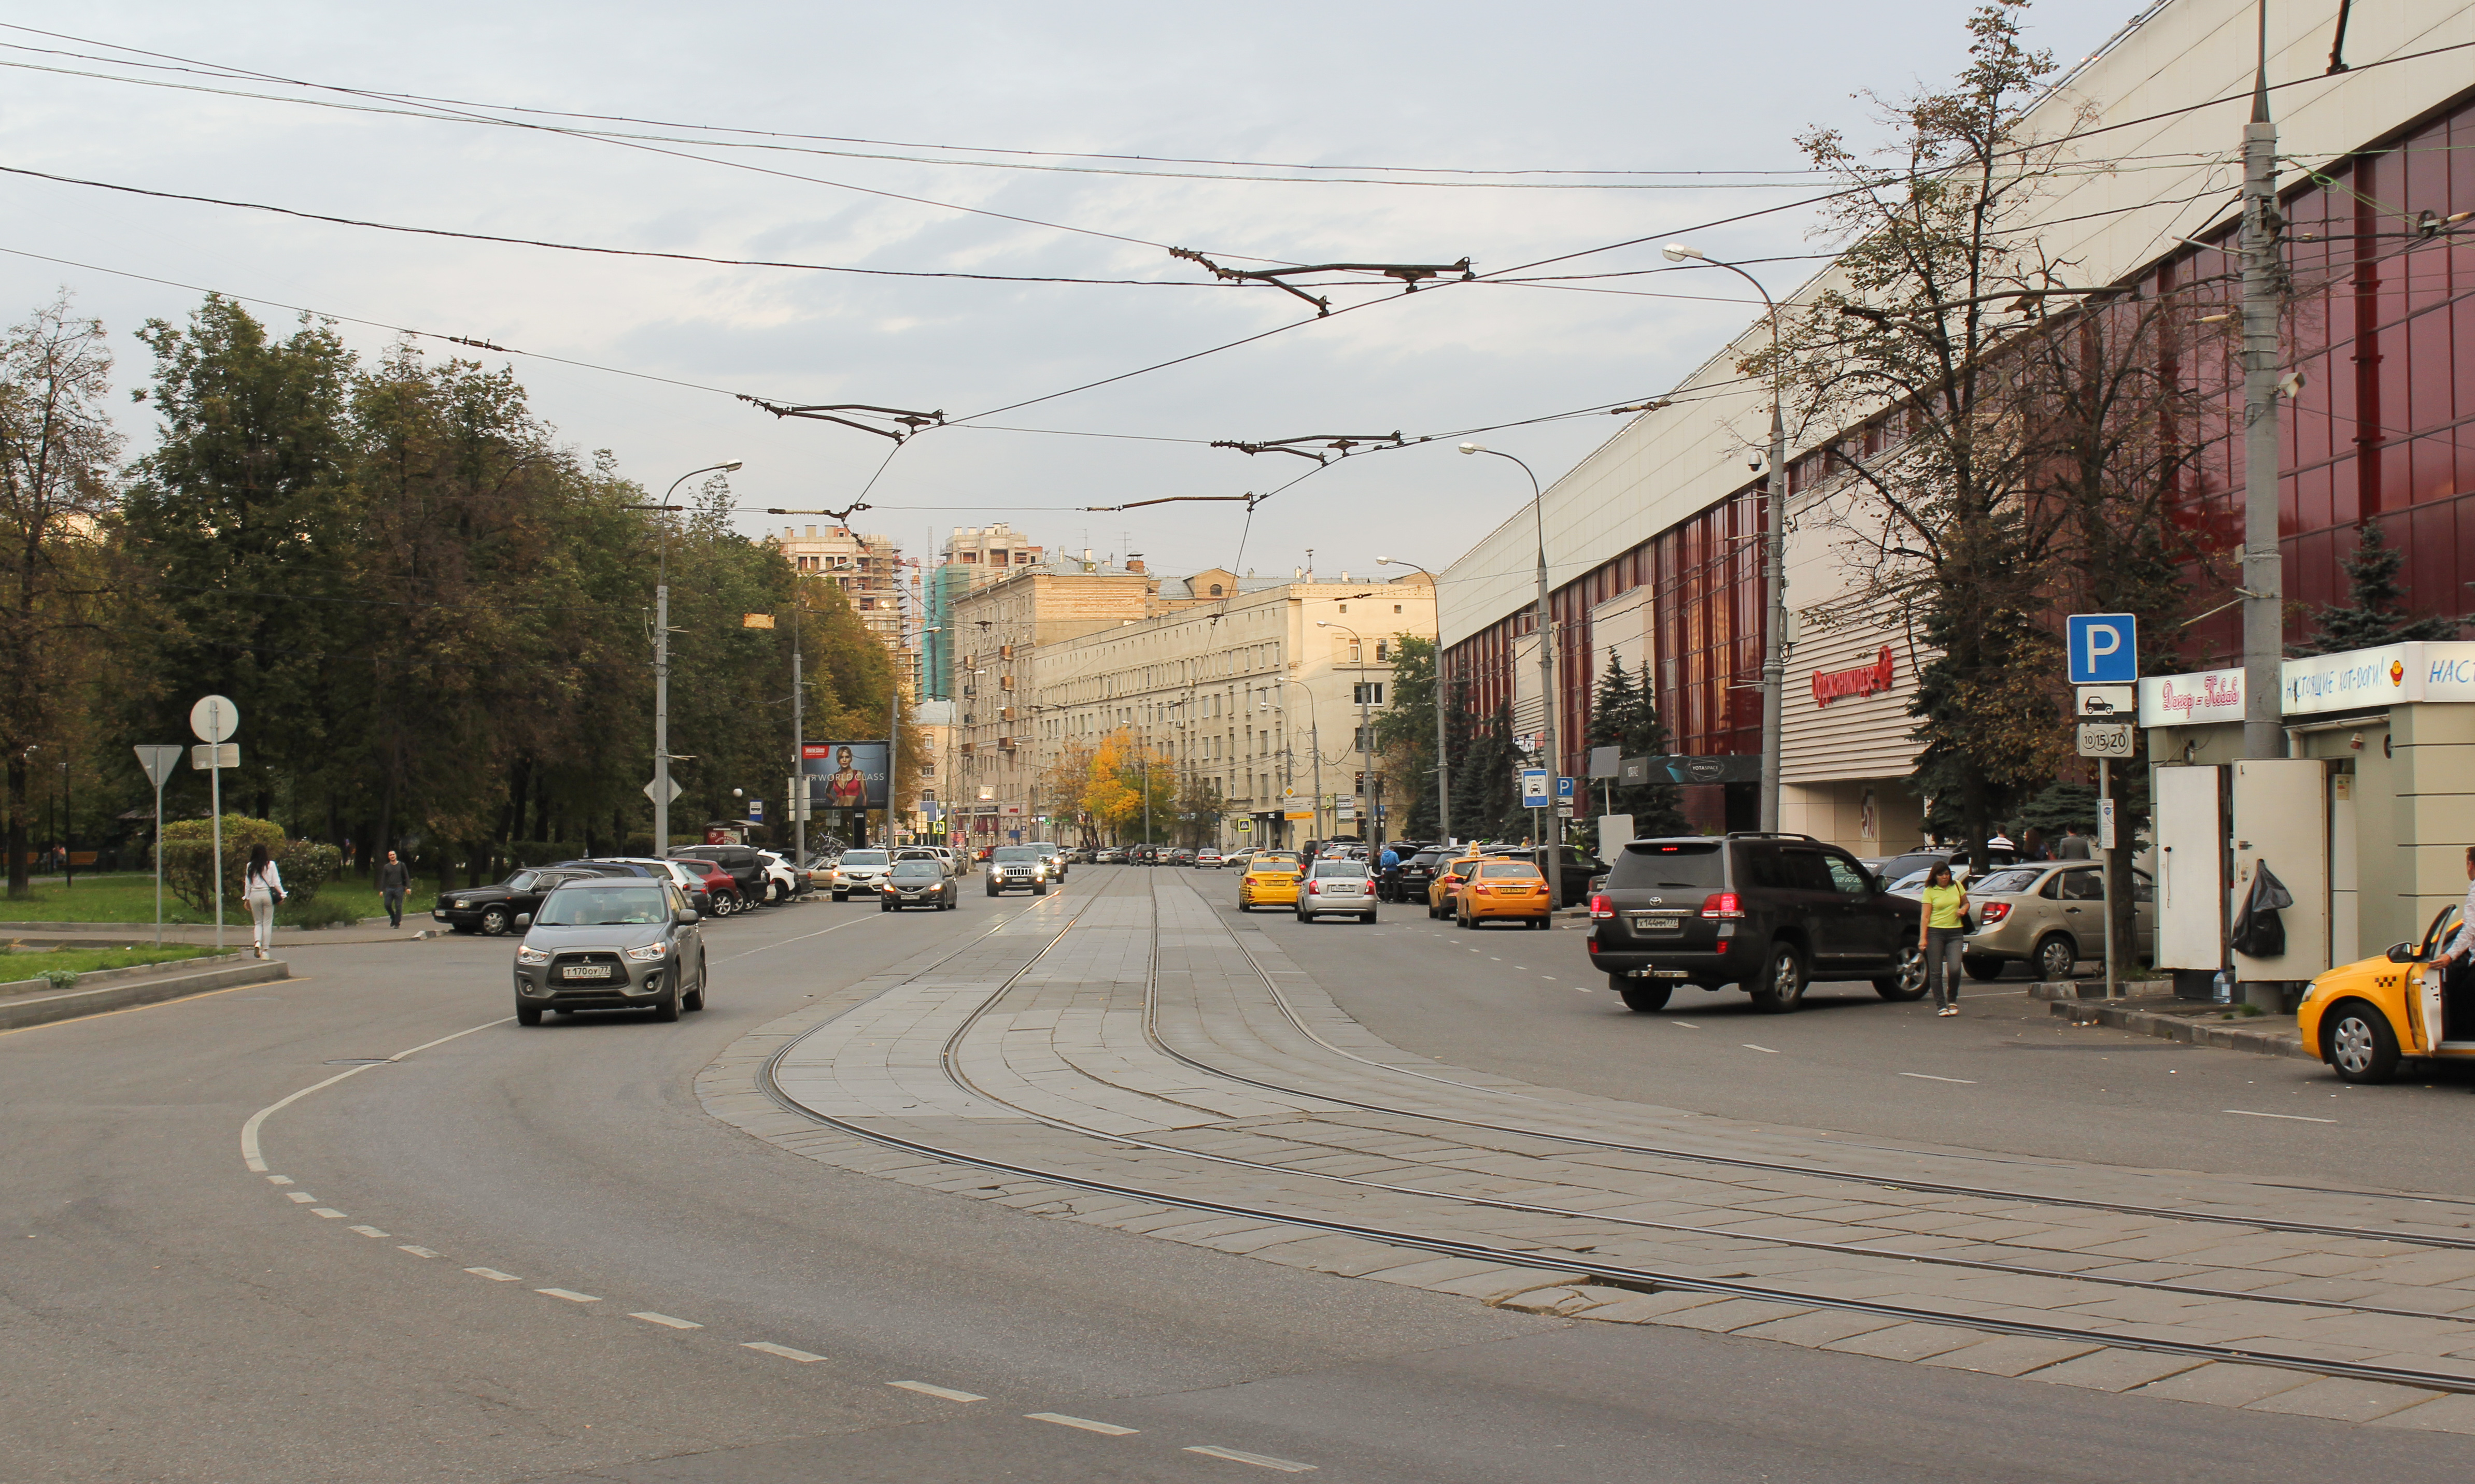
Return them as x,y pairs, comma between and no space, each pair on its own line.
169,1315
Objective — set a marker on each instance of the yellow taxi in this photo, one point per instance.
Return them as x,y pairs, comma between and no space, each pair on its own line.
1446,882
1271,880
2365,1017
1502,889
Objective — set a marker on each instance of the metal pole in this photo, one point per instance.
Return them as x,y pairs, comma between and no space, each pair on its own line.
661,707
798,800
2263,575
1443,781
1551,850
892,755
215,787
2105,792
159,859
1775,582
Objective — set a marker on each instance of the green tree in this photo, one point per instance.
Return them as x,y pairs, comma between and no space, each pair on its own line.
1487,795
1405,741
2374,613
1624,715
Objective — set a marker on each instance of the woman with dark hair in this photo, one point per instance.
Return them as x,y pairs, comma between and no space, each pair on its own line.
1939,929
263,887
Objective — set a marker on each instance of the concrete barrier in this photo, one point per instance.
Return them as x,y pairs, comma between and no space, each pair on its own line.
34,1001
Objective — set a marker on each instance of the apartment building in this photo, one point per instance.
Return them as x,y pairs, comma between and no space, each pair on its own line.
974,556
868,569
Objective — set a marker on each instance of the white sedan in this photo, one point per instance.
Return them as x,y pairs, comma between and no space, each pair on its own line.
1209,858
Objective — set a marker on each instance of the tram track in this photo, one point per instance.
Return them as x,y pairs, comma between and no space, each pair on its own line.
1557,1259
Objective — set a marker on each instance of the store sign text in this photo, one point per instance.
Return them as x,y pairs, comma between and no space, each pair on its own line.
1864,680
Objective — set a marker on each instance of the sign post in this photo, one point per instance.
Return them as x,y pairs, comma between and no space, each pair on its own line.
159,763
2103,651
1534,798
214,718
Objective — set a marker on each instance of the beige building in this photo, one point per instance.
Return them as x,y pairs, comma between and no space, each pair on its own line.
1254,686
871,573
990,551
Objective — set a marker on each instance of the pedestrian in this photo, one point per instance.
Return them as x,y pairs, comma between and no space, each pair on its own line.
263,887
2032,844
1938,932
2073,846
394,881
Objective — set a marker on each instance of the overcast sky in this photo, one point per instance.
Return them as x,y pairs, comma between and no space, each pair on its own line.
1444,86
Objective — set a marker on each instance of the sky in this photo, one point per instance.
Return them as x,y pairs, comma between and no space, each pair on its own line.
1372,134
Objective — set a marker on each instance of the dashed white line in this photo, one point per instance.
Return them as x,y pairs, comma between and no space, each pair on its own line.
783,1351
1749,1046
1928,1077
569,1295
328,1211
1686,1024
494,1275
279,1179
369,1231
1111,1429
666,1321
418,1251
946,1391
1259,1460
302,1197
2293,1117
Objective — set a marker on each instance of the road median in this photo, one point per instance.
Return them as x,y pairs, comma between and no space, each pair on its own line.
38,1002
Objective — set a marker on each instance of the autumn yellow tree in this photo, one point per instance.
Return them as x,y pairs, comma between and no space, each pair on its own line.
1114,785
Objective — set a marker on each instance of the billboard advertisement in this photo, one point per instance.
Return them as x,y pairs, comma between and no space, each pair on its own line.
845,774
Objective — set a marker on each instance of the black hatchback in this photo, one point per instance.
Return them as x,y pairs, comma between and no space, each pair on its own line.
1770,912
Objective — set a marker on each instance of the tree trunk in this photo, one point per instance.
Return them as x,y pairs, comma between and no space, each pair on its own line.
16,831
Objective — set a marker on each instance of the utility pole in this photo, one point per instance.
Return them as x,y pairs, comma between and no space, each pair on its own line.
892,755
2264,577
799,739
1551,845
662,659
1443,778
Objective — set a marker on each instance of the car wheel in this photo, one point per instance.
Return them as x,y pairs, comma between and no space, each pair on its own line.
1368,919
1909,982
667,1007
2056,957
495,922
527,1014
1039,888
696,1001
1982,969
1781,986
1643,996
1245,906
2357,1042
992,890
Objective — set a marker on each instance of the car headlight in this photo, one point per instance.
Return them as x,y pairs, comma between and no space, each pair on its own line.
649,952
459,904
533,956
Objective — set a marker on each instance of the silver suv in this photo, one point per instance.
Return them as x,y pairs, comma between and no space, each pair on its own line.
1053,854
611,942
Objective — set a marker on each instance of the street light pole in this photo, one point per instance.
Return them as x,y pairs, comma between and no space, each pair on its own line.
661,661
1365,751
1774,546
1551,844
1443,781
2264,584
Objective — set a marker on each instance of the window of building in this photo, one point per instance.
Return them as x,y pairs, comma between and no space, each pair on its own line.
1382,650
1396,607
1370,694
1215,589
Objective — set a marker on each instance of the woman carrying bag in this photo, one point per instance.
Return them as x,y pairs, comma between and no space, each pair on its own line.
262,885
1939,930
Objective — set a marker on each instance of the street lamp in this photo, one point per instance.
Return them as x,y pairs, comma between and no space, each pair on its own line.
1365,741
1552,845
1289,749
661,661
1443,783
1774,548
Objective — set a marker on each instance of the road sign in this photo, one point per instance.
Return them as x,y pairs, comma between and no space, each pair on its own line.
1606,761
2107,702
2106,824
1298,813
1245,826
675,791
214,718
1564,810
1534,788
756,811
159,763
1563,790
204,756
2104,648
2106,739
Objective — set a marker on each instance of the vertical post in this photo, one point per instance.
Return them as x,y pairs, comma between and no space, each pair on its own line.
215,787
662,708
158,855
1550,843
798,800
2105,792
2262,570
1775,583
1443,782
893,757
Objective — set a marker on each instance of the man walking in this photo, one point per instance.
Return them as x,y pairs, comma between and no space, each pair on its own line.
2073,846
394,881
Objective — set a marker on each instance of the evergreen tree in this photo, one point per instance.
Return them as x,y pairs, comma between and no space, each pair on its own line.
1486,801
1624,716
2375,612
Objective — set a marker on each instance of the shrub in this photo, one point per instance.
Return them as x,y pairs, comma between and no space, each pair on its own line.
297,911
61,978
188,860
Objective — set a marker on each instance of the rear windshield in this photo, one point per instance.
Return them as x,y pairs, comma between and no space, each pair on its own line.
1330,868
1649,866
1520,868
1017,852
863,858
2003,881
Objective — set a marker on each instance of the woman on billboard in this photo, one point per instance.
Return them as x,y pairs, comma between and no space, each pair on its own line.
846,787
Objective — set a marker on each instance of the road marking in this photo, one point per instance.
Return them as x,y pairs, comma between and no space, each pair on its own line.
1259,1460
569,1295
328,1211
279,1179
1084,1423
1749,1046
249,1150
2295,1117
946,1391
1686,1024
302,1196
666,1321
369,1231
1928,1077
493,1274
418,1251
783,1351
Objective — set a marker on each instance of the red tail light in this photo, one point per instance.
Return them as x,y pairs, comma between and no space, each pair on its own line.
1314,888
1722,904
1992,913
1600,907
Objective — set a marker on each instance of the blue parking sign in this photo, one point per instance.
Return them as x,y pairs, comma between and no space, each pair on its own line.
2104,648
1564,791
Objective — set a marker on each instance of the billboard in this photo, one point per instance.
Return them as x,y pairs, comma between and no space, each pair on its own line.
845,774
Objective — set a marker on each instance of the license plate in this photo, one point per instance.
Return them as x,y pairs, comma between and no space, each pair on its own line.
588,971
1667,973
1657,922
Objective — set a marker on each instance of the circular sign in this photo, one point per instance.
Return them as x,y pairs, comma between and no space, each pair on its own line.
214,718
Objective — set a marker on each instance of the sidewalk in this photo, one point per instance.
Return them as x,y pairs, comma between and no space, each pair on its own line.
2192,1022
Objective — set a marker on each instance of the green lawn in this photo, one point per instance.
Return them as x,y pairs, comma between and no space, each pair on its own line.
128,896
14,967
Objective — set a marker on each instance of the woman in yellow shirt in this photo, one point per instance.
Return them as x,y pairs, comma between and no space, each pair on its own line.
1939,929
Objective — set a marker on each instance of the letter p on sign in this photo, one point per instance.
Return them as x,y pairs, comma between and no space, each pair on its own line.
2104,648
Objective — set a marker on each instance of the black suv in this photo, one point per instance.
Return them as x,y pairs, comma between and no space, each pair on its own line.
1766,911
1408,881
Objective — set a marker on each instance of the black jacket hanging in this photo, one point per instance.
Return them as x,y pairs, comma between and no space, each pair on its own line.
2259,930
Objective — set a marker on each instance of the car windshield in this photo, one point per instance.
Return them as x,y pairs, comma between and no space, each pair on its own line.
1493,869
1017,853
1044,847
520,880
603,906
918,870
1652,864
2003,881
863,858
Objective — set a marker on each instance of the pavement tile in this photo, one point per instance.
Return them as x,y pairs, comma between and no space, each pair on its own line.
1501,1283
1650,1308
1431,1271
2227,1385
2115,1369
2011,1354
1734,1314
1816,1328
2345,1400
2447,1414
1908,1341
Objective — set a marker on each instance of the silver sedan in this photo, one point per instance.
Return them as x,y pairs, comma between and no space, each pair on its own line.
2050,915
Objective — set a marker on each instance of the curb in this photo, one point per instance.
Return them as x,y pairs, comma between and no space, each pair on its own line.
91,977
2187,1026
19,1012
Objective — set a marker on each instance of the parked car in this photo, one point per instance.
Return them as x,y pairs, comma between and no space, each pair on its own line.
1054,854
1178,855
1408,881
1579,867
859,870
2364,1018
1891,871
955,866
1081,855
1767,911
612,942
1019,869
1334,887
919,879
492,911
782,883
1503,889
1443,887
711,890
744,864
1208,860
2048,915
1112,856
1270,880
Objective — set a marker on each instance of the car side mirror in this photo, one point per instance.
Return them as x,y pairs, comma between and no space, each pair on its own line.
2401,953
685,916
523,919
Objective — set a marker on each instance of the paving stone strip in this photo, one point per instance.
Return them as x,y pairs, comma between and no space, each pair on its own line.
1068,1043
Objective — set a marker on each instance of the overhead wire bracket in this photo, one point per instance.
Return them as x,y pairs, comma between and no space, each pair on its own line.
1318,446
822,412
1410,275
